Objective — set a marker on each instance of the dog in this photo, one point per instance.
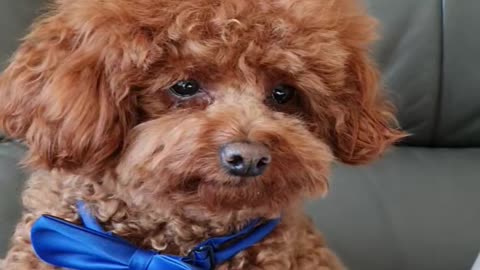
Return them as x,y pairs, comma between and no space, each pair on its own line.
175,121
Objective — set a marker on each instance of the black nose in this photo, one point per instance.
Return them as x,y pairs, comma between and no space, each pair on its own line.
245,159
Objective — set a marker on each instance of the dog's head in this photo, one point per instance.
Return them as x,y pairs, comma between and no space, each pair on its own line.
223,104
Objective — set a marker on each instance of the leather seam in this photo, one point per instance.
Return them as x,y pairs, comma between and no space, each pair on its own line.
441,72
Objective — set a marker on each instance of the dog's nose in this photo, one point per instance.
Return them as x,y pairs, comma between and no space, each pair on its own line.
245,159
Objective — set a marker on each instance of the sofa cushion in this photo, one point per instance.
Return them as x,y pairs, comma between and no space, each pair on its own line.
11,183
416,209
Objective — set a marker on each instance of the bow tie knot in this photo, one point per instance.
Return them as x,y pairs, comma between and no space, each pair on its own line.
203,256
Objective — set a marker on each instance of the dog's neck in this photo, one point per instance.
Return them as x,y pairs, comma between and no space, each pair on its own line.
171,231
159,224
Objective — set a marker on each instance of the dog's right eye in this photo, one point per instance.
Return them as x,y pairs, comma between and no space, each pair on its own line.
185,88
283,93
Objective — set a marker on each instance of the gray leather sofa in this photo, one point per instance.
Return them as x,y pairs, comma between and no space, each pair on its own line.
418,207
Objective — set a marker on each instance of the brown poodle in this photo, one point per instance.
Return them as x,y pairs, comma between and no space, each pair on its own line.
180,120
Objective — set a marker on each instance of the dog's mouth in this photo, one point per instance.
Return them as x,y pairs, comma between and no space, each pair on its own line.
193,184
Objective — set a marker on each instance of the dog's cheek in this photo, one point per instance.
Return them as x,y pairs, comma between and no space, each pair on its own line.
169,151
147,146
300,160
316,164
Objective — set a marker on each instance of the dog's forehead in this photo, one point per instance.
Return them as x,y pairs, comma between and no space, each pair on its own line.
247,40
257,37
279,35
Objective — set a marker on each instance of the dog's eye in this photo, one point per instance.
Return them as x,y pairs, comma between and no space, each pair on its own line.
186,88
283,93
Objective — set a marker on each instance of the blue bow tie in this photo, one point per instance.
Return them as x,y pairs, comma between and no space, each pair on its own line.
63,244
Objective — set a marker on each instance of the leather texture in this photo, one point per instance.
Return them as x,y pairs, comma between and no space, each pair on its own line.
15,18
459,116
418,207
11,184
427,55
409,55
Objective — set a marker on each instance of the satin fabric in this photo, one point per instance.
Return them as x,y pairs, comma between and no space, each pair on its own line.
64,244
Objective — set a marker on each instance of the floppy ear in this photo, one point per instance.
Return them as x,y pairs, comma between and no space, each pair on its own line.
65,95
365,123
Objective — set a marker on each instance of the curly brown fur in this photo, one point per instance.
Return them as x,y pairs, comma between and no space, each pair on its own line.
88,92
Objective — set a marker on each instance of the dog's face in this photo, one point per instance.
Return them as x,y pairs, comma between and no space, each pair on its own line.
221,104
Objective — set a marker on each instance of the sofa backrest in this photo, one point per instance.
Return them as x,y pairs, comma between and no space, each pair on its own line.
428,54
15,18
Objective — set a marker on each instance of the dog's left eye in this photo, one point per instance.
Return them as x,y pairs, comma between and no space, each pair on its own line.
185,88
283,93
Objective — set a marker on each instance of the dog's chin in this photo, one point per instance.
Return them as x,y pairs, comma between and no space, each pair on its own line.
237,193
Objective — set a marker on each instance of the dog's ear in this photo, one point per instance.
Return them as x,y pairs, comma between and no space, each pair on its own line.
364,122
65,93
